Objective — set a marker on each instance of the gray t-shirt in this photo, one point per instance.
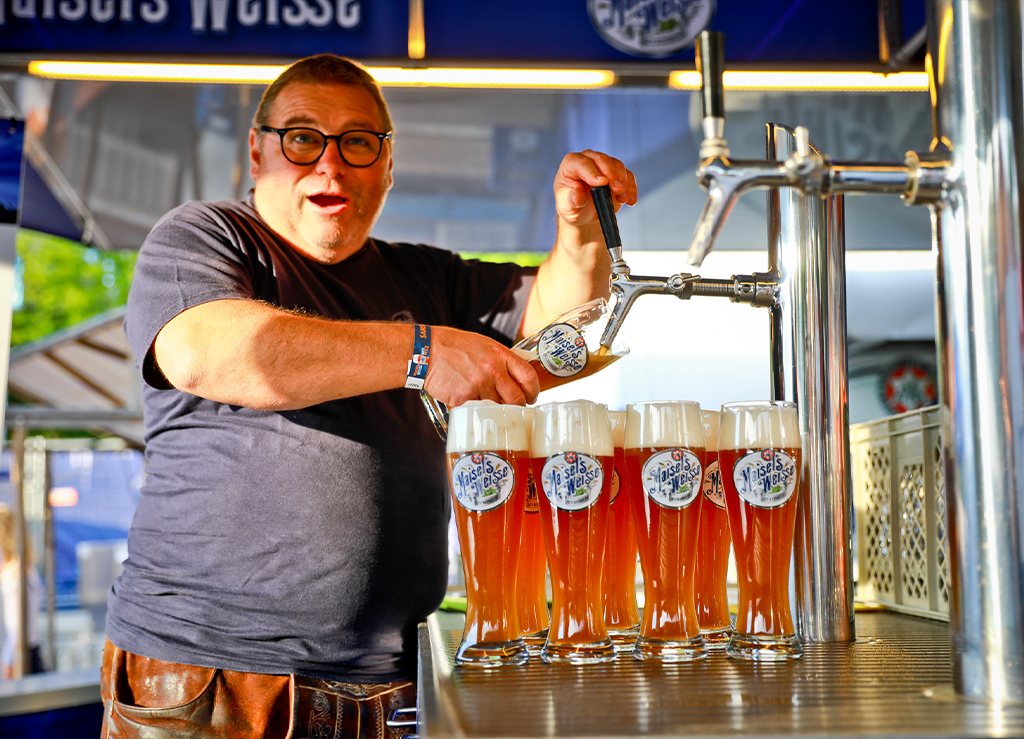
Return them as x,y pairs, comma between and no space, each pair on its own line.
309,541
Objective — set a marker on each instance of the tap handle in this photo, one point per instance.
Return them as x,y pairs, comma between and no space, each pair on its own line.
602,195
710,58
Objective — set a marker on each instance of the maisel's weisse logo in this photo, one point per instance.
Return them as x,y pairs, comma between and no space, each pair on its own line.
650,27
765,479
532,502
713,489
672,478
482,481
572,481
562,350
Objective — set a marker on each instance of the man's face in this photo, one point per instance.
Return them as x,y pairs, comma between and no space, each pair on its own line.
325,209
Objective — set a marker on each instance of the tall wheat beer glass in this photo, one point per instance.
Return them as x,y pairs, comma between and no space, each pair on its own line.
621,616
713,540
532,570
664,450
488,455
572,463
759,451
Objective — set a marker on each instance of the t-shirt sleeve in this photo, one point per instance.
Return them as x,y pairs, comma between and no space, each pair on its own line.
489,298
193,255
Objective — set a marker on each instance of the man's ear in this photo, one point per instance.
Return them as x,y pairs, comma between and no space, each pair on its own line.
255,153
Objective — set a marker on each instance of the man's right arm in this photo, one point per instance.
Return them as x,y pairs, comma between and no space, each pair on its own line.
249,353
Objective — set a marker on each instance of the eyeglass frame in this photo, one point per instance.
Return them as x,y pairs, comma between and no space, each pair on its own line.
382,137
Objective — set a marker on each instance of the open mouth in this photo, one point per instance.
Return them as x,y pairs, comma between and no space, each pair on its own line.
328,201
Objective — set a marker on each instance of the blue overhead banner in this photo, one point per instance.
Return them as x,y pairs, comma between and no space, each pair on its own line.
262,28
757,31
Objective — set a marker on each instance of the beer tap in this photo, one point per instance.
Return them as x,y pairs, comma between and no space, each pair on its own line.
756,289
919,179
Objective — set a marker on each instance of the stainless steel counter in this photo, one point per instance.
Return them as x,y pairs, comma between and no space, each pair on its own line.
895,680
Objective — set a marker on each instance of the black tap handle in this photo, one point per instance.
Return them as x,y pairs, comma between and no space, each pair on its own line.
710,58
602,195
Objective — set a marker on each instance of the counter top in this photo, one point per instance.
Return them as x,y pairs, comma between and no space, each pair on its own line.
895,680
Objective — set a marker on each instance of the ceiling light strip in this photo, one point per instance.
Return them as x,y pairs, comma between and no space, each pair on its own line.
809,81
388,76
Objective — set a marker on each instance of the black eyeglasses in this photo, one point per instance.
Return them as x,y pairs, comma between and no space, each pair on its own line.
306,145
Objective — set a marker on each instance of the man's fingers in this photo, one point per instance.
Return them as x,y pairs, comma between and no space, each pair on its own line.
526,377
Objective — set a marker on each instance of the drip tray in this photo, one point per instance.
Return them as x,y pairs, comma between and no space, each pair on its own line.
894,680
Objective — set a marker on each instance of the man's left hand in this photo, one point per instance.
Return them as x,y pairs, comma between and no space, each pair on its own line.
581,171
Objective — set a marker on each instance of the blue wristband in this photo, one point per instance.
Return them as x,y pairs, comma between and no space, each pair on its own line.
417,373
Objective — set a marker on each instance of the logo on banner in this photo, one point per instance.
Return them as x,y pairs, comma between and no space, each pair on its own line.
650,28
765,479
672,478
482,481
572,481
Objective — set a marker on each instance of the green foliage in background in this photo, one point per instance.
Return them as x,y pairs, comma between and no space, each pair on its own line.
522,258
65,283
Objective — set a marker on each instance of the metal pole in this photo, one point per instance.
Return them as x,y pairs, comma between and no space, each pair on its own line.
21,655
976,56
49,563
809,332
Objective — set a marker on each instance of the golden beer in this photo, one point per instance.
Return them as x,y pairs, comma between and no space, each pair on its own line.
664,451
572,464
532,569
621,616
488,460
713,546
759,454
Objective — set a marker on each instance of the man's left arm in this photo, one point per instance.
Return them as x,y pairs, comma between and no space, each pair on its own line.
577,269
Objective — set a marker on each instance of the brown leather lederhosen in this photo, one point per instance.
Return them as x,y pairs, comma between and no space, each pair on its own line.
151,699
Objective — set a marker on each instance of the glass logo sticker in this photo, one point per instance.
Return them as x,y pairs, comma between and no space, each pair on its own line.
482,481
672,478
713,489
572,481
765,479
562,350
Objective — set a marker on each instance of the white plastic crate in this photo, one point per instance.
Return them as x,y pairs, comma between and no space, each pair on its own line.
900,501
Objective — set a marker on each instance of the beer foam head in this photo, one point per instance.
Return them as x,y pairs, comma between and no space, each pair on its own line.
664,423
618,419
483,426
572,426
710,419
759,425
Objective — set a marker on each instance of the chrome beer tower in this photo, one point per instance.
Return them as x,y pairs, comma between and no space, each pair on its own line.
970,178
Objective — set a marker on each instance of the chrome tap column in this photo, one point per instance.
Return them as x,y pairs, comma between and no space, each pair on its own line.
806,252
978,80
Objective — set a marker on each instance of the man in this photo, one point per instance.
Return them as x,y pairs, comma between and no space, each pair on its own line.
292,529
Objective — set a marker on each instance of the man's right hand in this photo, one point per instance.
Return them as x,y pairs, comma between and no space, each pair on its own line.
468,366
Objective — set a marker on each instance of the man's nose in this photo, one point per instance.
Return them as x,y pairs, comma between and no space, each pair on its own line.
330,162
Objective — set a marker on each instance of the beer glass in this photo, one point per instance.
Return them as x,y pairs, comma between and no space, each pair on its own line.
572,464
664,451
568,348
532,570
759,451
713,544
488,453
621,616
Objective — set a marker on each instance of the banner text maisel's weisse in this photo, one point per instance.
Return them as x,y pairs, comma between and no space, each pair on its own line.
205,16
